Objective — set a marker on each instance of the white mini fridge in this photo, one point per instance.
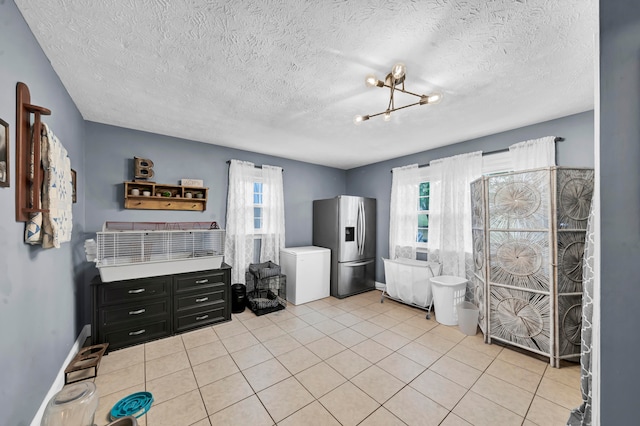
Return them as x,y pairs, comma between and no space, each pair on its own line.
308,272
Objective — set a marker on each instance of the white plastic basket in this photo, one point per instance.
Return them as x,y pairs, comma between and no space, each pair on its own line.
448,293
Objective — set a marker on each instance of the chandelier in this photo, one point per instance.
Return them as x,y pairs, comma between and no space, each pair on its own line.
395,82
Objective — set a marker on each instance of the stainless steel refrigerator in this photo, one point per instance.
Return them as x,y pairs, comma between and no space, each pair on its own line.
347,226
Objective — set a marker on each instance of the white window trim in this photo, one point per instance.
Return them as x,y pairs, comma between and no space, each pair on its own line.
424,177
257,233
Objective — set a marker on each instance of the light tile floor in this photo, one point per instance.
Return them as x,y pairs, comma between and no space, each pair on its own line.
352,361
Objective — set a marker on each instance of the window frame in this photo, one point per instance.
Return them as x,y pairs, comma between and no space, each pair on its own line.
423,177
257,232
422,244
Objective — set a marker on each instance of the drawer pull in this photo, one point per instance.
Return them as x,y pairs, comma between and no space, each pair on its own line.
136,291
138,312
137,333
202,281
202,299
203,317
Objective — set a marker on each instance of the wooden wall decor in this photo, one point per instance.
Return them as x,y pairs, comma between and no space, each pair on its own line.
27,187
529,231
143,168
74,193
5,159
156,196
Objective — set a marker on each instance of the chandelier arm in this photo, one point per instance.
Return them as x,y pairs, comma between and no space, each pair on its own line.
375,115
404,91
392,88
394,109
403,107
393,99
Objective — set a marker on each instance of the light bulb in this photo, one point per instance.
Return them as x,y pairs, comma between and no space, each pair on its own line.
387,116
371,80
398,71
434,98
360,118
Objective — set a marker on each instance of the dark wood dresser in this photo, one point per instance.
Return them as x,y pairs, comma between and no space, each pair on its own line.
129,312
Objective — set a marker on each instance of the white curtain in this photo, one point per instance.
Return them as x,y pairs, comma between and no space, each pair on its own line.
238,245
273,214
450,240
403,223
533,154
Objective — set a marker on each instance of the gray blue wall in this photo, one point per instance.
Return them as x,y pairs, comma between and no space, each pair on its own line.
109,157
374,180
43,292
39,313
619,209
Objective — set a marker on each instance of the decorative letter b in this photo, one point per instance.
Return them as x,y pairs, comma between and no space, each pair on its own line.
143,168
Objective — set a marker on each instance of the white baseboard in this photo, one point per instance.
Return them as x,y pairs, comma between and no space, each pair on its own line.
380,286
58,383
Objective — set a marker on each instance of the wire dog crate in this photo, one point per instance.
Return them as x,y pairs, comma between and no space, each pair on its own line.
266,288
129,250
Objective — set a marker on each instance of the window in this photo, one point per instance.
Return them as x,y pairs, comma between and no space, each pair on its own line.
491,164
423,213
257,206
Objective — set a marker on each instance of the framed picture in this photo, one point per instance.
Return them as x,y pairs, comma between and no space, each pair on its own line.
73,186
4,153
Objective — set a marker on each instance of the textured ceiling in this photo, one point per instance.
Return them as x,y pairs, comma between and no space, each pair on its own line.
286,77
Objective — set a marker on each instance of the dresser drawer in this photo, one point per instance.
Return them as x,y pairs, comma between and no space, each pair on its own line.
137,333
187,282
213,294
197,318
134,290
134,311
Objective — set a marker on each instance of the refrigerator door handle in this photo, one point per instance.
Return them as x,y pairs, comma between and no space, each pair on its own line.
364,228
361,228
354,264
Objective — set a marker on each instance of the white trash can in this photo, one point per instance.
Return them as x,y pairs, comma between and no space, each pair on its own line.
468,318
448,291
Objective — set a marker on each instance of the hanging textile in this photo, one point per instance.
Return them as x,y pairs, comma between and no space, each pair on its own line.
53,227
582,415
273,214
403,211
533,154
238,245
450,239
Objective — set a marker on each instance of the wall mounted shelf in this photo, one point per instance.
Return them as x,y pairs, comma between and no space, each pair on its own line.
164,197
